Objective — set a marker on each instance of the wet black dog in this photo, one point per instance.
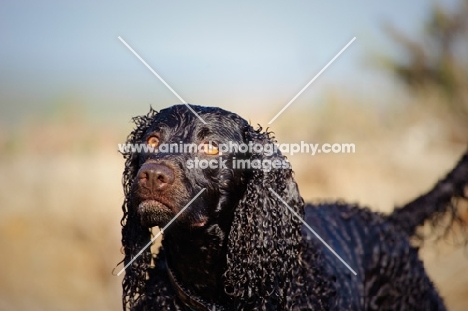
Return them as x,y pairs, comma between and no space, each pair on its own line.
239,245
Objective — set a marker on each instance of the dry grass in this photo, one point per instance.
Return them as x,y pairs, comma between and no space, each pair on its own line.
59,232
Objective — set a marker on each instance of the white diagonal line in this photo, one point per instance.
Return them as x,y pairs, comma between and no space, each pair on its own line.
316,76
159,233
151,69
161,79
312,230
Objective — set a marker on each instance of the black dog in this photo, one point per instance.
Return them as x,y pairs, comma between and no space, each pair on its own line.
238,246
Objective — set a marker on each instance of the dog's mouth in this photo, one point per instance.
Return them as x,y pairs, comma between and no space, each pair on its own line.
152,206
154,213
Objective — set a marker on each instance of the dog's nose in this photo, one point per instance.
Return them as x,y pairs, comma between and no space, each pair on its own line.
156,176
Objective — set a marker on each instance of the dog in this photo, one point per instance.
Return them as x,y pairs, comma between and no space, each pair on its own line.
239,237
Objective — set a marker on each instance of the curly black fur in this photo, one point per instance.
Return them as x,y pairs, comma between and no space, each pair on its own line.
237,247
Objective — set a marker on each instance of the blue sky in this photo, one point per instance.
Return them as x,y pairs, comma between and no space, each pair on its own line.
255,54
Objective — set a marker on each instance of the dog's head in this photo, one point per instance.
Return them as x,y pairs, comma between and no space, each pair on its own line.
180,157
242,180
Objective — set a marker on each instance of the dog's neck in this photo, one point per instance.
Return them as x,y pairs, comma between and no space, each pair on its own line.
197,257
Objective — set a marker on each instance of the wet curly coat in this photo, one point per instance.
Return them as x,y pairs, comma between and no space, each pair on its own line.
238,247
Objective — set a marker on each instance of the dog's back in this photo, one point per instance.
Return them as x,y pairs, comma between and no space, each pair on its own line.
390,275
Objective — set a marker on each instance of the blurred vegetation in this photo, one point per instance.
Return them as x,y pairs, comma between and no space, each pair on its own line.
435,65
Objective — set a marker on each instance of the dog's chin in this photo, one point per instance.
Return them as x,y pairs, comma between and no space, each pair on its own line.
153,213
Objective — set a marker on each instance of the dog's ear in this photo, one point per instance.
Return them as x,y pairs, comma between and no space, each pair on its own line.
264,242
134,235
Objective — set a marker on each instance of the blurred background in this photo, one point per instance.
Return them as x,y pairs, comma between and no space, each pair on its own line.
69,87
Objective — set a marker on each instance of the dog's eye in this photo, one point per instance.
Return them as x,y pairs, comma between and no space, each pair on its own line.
152,141
210,148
